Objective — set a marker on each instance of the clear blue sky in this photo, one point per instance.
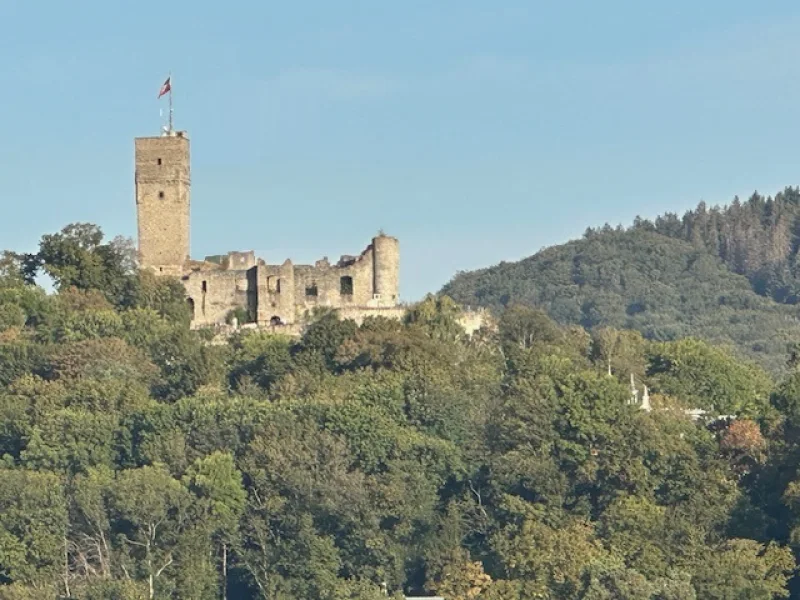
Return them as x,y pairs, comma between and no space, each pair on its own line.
474,131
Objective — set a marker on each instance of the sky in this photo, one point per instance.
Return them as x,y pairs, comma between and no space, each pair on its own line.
475,132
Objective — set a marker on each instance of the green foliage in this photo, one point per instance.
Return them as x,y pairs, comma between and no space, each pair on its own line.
756,238
217,483
526,327
259,358
142,460
709,378
19,357
164,295
184,361
665,288
744,569
104,589
71,441
437,316
325,334
240,314
77,257
33,522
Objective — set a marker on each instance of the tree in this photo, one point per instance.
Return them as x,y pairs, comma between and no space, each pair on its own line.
550,561
77,257
154,511
655,281
91,537
524,327
461,578
139,460
438,316
164,295
709,378
744,569
262,358
71,441
33,526
633,527
217,483
622,352
185,364
744,443
325,334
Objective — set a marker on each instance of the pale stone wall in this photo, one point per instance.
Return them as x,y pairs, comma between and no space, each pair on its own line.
358,314
284,294
214,293
275,294
163,201
333,282
470,320
234,260
473,320
386,252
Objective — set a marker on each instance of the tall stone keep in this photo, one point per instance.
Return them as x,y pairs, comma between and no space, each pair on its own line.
163,201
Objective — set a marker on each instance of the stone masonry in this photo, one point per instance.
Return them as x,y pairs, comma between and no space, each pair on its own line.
163,202
278,295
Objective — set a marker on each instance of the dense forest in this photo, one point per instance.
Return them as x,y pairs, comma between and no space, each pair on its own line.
141,459
729,275
759,239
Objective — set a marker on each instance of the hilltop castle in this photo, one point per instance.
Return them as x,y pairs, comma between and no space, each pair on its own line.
219,286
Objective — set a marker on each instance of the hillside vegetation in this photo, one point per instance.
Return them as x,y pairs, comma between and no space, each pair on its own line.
139,462
729,276
759,238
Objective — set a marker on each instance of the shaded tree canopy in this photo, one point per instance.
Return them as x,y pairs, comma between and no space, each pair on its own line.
140,461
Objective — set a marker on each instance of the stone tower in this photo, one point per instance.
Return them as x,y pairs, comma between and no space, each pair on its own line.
163,201
386,269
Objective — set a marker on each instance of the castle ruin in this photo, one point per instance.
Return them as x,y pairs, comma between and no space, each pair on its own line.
239,282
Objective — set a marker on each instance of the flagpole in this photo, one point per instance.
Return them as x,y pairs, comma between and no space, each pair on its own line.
170,102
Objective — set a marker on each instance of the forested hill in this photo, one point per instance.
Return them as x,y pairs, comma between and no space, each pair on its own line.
140,462
651,279
759,238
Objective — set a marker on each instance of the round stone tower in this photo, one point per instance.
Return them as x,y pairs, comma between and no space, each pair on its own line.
386,269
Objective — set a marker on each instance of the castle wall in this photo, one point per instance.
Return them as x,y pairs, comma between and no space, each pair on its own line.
284,294
234,260
473,320
358,314
336,286
163,202
276,294
215,292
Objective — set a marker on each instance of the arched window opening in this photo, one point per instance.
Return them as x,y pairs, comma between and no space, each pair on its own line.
190,302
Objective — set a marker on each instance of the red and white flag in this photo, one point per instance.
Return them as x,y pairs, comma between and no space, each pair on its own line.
167,87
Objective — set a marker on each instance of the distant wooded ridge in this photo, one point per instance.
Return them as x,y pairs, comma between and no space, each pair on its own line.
729,275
